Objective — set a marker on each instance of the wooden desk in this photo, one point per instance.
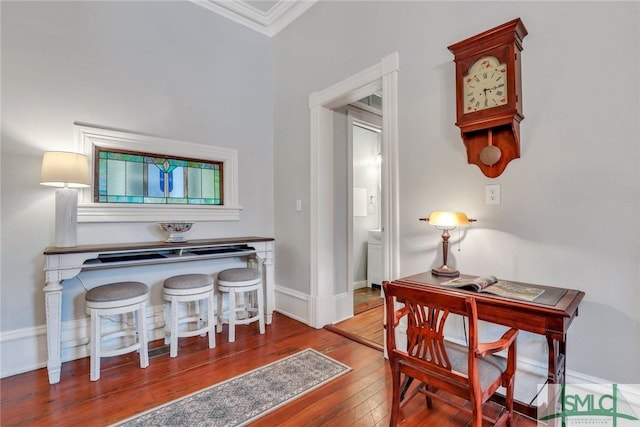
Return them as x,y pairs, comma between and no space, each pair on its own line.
550,315
66,263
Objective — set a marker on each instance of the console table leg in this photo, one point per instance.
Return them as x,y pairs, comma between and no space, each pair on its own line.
266,261
53,308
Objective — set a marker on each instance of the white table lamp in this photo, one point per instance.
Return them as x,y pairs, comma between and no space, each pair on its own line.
68,171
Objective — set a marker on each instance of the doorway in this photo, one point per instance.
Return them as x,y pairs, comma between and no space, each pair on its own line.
328,301
357,218
364,127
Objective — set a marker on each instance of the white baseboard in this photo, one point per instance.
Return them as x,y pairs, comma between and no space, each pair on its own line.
296,305
23,350
360,285
292,304
344,306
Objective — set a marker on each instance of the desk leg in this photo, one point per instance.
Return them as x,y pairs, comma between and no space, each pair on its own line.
53,307
556,375
557,365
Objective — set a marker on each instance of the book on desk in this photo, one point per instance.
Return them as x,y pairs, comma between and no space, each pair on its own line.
492,285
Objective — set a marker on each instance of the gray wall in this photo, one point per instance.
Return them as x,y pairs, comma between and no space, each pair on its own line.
570,210
168,69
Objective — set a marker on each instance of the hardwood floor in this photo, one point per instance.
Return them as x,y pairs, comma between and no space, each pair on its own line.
365,327
359,398
365,299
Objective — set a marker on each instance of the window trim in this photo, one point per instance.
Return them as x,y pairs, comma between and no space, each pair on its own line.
87,138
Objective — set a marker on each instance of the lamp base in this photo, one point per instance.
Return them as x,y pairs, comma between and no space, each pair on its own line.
445,271
66,217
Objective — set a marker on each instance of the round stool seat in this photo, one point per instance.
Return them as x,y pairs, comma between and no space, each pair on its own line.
188,281
105,296
188,284
238,276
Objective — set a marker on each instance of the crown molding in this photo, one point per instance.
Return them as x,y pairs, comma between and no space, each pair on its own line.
269,23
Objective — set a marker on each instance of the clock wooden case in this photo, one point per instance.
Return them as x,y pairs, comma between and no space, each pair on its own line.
489,95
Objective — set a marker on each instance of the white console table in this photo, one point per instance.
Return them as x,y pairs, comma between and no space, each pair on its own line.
66,263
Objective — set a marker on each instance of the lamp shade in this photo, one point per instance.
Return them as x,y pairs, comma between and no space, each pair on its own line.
448,219
60,169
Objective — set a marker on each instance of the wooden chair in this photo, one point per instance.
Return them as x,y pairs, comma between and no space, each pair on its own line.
472,372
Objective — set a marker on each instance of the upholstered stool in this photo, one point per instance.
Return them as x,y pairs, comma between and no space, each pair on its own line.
245,282
185,288
111,299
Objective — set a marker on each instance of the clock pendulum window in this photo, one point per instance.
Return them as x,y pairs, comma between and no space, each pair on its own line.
489,95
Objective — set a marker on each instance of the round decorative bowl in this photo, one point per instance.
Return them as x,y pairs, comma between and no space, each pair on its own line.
175,230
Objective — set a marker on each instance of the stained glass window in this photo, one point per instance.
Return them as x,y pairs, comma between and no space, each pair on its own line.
132,177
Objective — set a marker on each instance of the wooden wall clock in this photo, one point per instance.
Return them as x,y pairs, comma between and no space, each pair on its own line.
489,95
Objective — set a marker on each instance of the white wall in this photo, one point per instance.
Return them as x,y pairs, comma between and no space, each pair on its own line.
168,69
580,153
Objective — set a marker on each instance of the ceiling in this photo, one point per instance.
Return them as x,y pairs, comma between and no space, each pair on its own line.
265,16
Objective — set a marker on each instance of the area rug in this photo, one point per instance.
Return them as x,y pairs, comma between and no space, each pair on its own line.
247,397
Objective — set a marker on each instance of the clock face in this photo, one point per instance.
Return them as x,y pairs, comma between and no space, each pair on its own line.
485,86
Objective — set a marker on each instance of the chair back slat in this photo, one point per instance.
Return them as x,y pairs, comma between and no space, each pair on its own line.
425,334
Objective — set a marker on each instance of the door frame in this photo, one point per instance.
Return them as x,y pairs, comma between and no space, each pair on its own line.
324,306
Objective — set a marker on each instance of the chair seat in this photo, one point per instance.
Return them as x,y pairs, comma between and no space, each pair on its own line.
489,367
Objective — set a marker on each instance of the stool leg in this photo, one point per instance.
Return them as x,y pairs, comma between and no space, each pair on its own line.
211,321
142,336
167,322
94,347
219,312
261,309
173,333
202,314
241,302
232,315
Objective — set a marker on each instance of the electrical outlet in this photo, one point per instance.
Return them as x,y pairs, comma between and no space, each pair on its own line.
492,194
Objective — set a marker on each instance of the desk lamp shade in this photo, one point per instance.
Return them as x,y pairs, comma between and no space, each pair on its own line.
67,171
446,221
